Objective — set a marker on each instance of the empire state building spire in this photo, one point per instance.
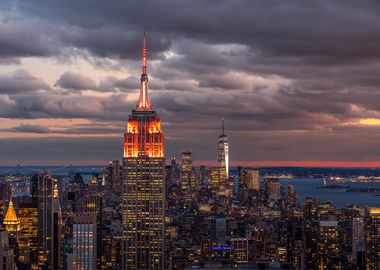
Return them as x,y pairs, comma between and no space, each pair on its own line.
144,102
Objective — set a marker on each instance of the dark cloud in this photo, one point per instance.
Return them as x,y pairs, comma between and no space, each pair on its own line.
76,81
73,130
21,81
65,106
27,128
329,31
21,37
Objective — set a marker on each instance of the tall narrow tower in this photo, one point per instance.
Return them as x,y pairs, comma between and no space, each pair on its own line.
143,184
49,222
223,155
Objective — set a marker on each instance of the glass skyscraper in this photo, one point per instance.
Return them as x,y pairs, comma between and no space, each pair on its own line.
84,242
223,155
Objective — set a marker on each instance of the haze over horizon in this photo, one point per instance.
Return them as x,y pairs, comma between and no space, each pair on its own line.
297,84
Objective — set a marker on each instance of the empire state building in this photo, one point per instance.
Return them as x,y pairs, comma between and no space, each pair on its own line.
143,184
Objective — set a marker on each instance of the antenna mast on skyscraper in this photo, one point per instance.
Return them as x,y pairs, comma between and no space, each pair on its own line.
144,102
144,67
223,124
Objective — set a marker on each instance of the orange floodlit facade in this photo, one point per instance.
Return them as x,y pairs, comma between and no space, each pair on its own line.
144,136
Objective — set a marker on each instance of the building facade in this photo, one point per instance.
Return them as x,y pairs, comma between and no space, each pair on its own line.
84,242
49,223
372,238
252,178
143,184
28,244
6,253
186,168
328,245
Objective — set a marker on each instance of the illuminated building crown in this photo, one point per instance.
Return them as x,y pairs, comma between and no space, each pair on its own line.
10,216
11,222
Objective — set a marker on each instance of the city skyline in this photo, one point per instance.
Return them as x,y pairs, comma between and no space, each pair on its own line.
157,135
299,94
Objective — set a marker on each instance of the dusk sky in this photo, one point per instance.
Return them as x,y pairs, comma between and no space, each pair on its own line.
296,81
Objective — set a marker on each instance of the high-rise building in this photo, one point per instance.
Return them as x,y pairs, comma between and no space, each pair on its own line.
291,198
311,224
217,228
240,175
272,189
116,175
174,171
328,245
12,225
84,242
213,179
240,249
186,168
6,253
28,243
372,238
94,205
357,235
144,184
347,216
223,160
49,223
251,178
202,175
2,213
34,187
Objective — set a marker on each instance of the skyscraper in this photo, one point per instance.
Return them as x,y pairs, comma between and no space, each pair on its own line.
49,222
94,205
251,178
202,175
12,225
223,161
372,238
84,242
213,179
28,244
116,175
240,249
357,235
186,168
6,253
272,189
143,184
311,223
328,244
